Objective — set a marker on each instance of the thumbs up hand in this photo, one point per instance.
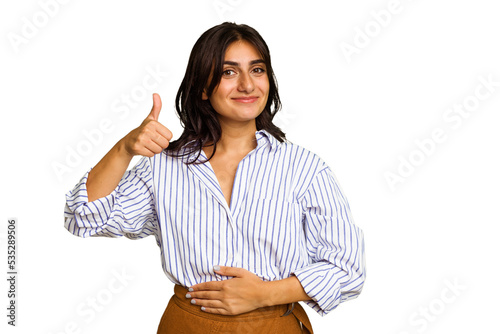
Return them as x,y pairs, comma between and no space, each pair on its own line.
151,137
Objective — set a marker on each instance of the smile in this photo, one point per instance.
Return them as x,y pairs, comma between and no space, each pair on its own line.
248,99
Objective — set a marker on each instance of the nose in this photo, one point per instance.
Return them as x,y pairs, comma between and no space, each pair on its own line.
245,84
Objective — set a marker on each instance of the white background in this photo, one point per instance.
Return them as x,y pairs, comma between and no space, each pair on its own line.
361,113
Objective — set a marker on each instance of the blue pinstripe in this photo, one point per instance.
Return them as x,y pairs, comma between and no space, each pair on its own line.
287,216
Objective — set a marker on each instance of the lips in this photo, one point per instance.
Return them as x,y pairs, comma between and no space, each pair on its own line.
246,99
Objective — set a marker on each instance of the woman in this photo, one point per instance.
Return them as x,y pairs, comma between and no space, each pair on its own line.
248,224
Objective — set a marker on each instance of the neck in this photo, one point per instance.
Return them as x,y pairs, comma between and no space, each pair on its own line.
236,137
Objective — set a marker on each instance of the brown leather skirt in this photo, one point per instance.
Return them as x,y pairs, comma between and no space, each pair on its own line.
181,316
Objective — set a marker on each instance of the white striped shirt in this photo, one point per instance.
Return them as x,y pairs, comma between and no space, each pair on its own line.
287,216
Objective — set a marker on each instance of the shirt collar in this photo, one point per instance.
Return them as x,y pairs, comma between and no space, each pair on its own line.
265,138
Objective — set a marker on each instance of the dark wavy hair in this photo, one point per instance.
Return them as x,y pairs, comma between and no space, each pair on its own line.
198,117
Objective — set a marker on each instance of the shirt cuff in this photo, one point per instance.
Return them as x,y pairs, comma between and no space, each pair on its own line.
321,281
84,218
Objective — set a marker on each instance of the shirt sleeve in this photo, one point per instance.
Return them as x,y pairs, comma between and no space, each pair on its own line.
128,211
335,246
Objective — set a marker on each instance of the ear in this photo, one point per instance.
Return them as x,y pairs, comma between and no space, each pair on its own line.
204,95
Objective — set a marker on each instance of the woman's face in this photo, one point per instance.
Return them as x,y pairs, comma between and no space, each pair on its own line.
244,87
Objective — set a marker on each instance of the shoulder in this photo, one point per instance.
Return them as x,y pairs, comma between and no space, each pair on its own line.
288,150
300,156
168,159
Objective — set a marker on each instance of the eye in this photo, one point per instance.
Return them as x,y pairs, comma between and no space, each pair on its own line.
259,70
228,73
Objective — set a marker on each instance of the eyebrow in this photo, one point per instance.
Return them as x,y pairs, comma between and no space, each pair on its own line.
253,62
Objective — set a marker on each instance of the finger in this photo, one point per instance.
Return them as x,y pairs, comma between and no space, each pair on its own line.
215,310
208,286
209,303
145,152
218,307
153,147
160,140
155,111
164,131
154,132
230,271
205,295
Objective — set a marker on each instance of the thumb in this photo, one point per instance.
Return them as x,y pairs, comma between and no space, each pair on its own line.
155,111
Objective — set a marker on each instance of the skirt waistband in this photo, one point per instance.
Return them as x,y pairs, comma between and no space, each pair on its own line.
264,312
